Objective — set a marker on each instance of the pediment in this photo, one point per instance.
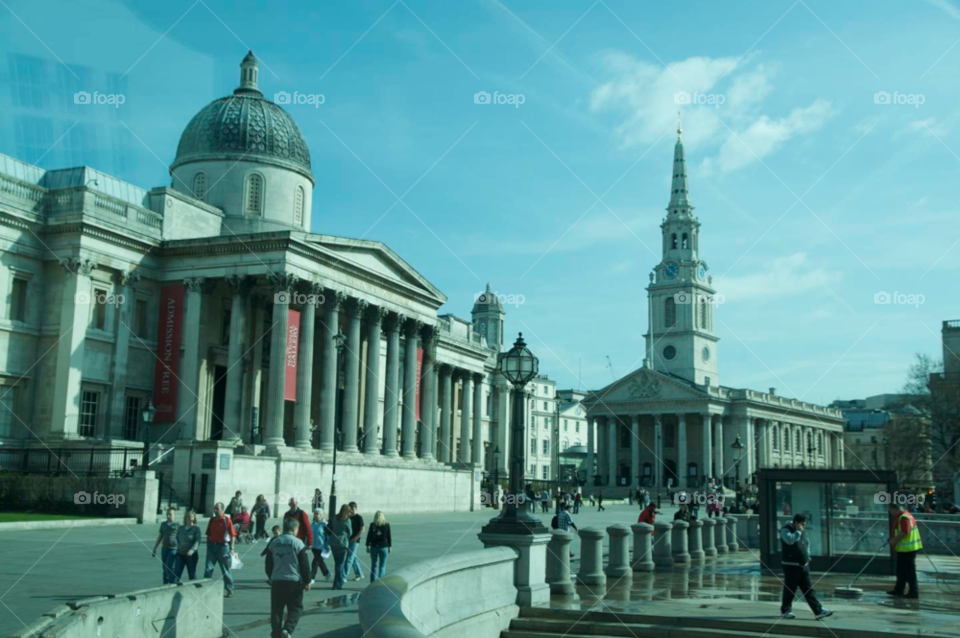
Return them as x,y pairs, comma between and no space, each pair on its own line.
375,257
648,385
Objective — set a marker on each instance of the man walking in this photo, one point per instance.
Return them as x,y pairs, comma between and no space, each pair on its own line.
352,561
288,570
795,558
220,538
905,541
304,529
600,507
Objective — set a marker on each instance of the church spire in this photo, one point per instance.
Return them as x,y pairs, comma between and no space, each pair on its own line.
679,194
249,74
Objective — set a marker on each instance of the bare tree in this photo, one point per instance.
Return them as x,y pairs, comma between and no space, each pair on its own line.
937,401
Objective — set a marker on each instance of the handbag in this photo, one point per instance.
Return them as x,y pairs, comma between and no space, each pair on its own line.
235,562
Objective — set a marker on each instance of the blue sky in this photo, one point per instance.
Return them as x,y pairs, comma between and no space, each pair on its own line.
509,195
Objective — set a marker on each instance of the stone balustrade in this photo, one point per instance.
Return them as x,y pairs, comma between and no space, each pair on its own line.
558,563
642,547
709,546
681,557
618,561
591,558
695,540
731,530
662,545
720,538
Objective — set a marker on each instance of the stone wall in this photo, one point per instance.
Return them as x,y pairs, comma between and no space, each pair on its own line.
466,594
192,611
82,495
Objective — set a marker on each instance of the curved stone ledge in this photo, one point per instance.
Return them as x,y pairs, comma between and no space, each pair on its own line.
469,594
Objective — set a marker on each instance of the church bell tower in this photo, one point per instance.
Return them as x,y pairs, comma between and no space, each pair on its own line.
680,339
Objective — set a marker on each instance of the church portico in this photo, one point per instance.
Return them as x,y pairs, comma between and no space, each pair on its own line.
671,423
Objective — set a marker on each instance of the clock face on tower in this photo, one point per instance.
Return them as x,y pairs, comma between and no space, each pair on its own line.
671,269
701,273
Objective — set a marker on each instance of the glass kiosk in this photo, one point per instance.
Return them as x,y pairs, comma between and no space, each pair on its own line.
847,518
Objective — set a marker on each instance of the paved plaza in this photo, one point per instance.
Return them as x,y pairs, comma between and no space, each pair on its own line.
41,569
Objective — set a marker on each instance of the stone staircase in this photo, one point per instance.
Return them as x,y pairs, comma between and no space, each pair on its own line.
541,622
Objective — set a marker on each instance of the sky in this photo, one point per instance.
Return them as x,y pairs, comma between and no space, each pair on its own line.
821,138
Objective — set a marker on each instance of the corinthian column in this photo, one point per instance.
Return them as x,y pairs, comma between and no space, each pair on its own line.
332,301
283,284
351,392
371,405
428,395
682,473
466,407
446,402
240,286
188,397
121,352
391,394
304,407
409,423
477,445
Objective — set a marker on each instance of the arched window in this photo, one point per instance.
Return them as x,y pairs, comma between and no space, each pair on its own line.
786,439
799,442
820,443
669,312
673,240
684,244
200,185
298,206
254,203
776,437
703,313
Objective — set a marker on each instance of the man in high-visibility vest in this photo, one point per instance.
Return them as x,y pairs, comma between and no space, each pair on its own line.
905,541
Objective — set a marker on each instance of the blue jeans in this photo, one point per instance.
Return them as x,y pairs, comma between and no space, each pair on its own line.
352,562
190,562
219,554
340,562
378,562
169,559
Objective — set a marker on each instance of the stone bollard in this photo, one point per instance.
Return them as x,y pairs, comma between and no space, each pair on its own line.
732,546
681,557
591,557
709,549
618,562
695,539
558,563
642,544
662,553
721,535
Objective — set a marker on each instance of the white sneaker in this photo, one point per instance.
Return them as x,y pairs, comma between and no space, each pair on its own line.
788,616
824,613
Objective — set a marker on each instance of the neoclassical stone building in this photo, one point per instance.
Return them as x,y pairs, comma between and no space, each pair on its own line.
671,420
211,299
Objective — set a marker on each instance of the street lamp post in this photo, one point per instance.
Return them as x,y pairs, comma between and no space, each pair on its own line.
340,342
518,366
496,477
737,447
556,446
147,415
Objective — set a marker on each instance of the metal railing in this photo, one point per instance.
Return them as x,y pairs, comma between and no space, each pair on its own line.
76,461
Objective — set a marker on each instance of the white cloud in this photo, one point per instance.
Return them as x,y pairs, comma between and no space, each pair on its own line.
947,6
766,135
930,125
784,277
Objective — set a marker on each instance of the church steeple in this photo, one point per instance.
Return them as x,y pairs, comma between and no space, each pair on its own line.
249,75
680,203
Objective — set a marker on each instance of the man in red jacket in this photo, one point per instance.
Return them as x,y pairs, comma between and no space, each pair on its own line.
305,531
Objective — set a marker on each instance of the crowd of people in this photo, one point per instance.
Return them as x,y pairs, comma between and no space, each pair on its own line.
288,550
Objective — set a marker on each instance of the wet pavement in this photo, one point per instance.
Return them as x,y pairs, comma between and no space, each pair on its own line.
734,589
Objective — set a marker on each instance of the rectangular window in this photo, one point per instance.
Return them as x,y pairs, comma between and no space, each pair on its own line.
18,300
545,472
99,303
546,446
89,413
8,409
131,419
533,446
578,426
533,470
545,408
140,318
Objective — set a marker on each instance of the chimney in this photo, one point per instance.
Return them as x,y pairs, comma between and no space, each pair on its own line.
773,392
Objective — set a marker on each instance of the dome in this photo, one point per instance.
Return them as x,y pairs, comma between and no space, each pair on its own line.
245,126
488,301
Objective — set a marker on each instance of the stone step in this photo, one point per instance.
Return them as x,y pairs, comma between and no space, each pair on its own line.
529,628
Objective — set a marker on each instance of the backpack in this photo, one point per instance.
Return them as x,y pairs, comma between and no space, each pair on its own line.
554,522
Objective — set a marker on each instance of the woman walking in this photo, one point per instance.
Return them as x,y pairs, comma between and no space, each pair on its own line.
340,530
379,543
320,546
188,547
261,512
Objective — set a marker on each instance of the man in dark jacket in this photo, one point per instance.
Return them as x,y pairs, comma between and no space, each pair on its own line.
305,532
795,558
288,569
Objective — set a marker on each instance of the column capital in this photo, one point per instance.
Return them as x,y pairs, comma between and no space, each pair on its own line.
446,370
196,284
283,281
376,313
240,285
78,265
393,321
356,307
428,333
312,290
478,377
411,327
635,419
333,299
681,417
126,277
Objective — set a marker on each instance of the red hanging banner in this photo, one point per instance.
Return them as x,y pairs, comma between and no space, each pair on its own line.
165,383
416,402
293,343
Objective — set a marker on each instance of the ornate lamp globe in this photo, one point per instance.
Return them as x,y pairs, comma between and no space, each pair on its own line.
737,445
518,365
